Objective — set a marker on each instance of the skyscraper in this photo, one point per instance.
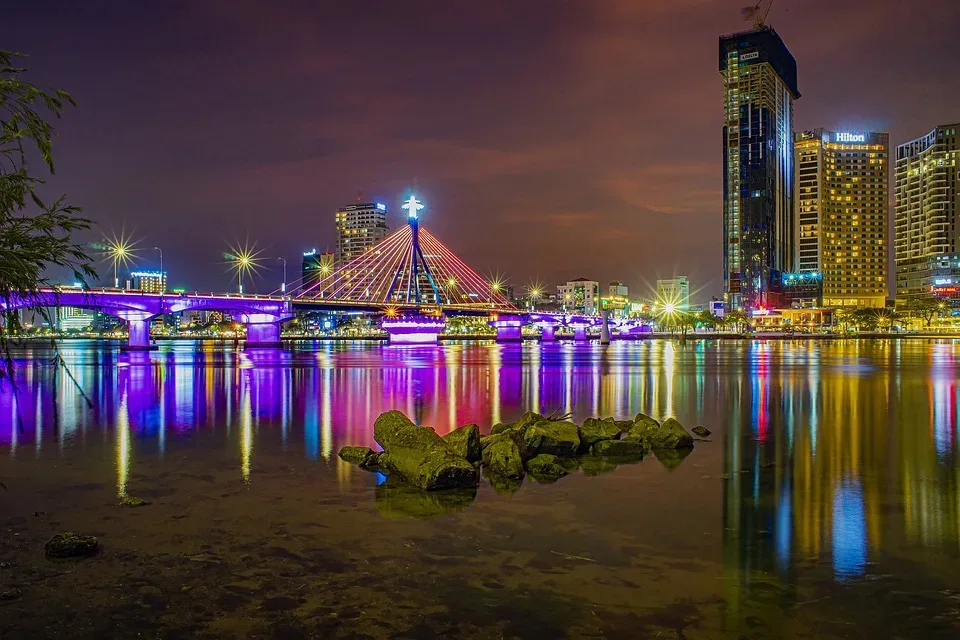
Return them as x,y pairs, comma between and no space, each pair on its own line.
315,266
674,291
842,216
926,223
149,281
359,227
760,85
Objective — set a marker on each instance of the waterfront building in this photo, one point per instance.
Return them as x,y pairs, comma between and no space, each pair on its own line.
760,84
580,295
842,218
675,291
617,288
927,228
72,318
148,281
359,227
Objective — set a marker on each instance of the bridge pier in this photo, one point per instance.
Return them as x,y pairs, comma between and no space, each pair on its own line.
138,335
605,328
509,328
548,333
413,329
262,330
580,333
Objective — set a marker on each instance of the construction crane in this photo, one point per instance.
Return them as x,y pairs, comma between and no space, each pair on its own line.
757,13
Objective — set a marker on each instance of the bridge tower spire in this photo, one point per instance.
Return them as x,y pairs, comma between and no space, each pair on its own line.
417,262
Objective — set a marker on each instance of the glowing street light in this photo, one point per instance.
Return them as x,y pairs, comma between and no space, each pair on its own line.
244,261
535,293
118,249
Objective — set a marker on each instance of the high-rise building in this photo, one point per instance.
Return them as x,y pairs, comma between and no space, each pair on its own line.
148,281
580,295
359,227
927,244
760,85
842,202
675,291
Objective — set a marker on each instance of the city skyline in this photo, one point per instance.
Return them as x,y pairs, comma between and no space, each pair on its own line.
505,148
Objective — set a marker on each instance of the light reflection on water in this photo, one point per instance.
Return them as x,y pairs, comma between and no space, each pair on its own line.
838,449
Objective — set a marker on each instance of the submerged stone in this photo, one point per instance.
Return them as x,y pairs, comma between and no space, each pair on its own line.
594,431
399,500
71,545
700,431
545,465
133,502
554,438
465,442
419,455
629,447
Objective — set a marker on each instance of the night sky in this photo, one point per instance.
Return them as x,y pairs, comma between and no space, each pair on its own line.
550,139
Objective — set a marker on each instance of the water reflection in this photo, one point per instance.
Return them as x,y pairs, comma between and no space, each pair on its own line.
832,450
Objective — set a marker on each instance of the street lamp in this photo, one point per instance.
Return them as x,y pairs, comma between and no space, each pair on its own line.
283,286
163,278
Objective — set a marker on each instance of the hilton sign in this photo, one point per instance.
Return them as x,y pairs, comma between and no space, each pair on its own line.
851,137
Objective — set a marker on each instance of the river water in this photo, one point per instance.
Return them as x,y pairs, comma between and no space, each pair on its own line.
825,504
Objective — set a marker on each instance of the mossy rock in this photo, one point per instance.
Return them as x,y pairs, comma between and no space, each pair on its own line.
553,437
132,502
629,447
546,466
71,545
525,421
503,457
593,431
465,442
419,455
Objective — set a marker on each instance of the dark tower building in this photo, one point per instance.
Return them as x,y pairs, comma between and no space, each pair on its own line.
760,85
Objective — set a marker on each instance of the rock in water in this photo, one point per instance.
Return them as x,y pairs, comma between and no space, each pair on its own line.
503,457
593,431
629,447
71,545
363,457
643,427
465,442
419,455
546,466
132,502
555,438
669,435
701,432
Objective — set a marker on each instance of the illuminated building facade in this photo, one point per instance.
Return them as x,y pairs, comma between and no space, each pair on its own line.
843,188
617,288
760,85
927,242
359,228
149,281
675,291
580,295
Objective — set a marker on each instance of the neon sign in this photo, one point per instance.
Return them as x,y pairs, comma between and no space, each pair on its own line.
750,56
381,206
851,137
940,281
